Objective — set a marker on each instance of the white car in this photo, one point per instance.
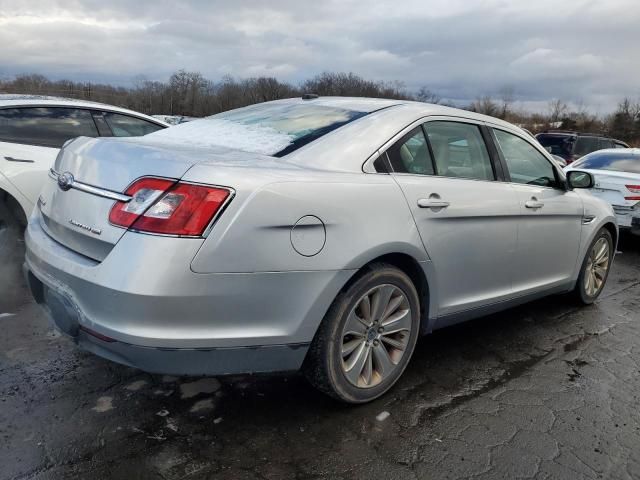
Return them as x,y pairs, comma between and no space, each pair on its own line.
32,130
617,181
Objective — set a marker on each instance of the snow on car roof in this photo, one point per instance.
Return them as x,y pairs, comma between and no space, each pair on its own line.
272,128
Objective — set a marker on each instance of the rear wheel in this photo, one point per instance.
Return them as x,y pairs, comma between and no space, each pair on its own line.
595,268
367,337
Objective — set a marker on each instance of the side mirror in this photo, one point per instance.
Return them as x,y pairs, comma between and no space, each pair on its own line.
578,179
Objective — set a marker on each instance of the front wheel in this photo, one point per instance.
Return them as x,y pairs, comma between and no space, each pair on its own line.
595,268
367,337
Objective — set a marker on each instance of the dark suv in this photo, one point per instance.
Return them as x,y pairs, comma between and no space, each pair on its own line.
573,145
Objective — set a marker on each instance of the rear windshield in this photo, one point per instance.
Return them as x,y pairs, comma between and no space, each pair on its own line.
271,129
616,161
301,123
556,144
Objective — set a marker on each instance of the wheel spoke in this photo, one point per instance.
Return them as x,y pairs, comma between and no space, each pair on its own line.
367,371
393,305
600,272
355,365
365,309
351,345
399,321
384,364
601,249
392,342
588,281
355,325
380,301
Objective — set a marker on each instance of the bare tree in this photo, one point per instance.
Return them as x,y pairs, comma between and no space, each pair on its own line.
427,96
485,105
557,110
507,96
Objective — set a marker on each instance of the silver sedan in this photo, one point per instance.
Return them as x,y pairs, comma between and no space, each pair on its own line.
321,234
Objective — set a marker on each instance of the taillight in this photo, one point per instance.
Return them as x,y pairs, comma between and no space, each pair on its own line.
168,207
633,189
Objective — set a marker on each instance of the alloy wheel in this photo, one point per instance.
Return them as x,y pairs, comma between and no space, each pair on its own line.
597,267
375,336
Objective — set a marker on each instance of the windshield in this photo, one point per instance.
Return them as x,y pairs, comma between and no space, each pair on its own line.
615,161
556,144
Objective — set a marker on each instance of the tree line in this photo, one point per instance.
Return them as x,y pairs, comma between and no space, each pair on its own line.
191,94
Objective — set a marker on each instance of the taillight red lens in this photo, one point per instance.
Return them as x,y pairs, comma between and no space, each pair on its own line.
144,193
170,208
633,189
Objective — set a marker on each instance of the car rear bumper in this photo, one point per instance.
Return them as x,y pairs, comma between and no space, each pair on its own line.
187,324
67,317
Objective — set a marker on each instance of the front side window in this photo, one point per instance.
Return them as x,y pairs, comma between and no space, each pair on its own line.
127,126
525,163
459,150
411,154
45,126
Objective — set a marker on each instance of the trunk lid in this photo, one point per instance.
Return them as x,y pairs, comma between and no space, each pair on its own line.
612,186
80,220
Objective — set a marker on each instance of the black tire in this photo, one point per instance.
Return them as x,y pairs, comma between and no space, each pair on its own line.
323,364
580,292
11,257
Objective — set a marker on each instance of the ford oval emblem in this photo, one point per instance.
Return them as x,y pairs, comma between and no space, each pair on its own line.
65,181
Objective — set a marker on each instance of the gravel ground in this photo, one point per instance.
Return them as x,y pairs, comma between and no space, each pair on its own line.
547,390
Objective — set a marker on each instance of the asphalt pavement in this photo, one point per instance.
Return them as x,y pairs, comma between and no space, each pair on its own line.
546,390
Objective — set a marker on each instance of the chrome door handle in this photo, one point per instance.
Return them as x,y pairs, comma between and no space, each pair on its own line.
432,203
22,160
533,203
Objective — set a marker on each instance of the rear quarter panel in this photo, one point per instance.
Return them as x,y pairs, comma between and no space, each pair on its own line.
363,215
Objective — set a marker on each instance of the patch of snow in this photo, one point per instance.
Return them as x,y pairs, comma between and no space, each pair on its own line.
3,315
163,413
206,404
209,132
218,420
104,404
135,386
382,416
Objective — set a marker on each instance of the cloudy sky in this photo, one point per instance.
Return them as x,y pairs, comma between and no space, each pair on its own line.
583,51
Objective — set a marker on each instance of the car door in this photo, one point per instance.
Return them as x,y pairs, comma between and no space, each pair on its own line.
466,217
30,138
550,222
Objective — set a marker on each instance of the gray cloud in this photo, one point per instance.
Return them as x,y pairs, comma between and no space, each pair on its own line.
580,50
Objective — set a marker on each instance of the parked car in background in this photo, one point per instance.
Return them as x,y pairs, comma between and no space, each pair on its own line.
617,181
573,145
322,234
174,119
33,128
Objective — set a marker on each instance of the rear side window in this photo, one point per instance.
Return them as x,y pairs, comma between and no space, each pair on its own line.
411,154
561,145
459,150
525,163
127,126
586,145
45,126
615,161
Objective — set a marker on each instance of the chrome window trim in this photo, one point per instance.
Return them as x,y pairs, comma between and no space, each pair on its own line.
368,167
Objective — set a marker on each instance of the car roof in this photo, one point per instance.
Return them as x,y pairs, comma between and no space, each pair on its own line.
25,100
366,104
